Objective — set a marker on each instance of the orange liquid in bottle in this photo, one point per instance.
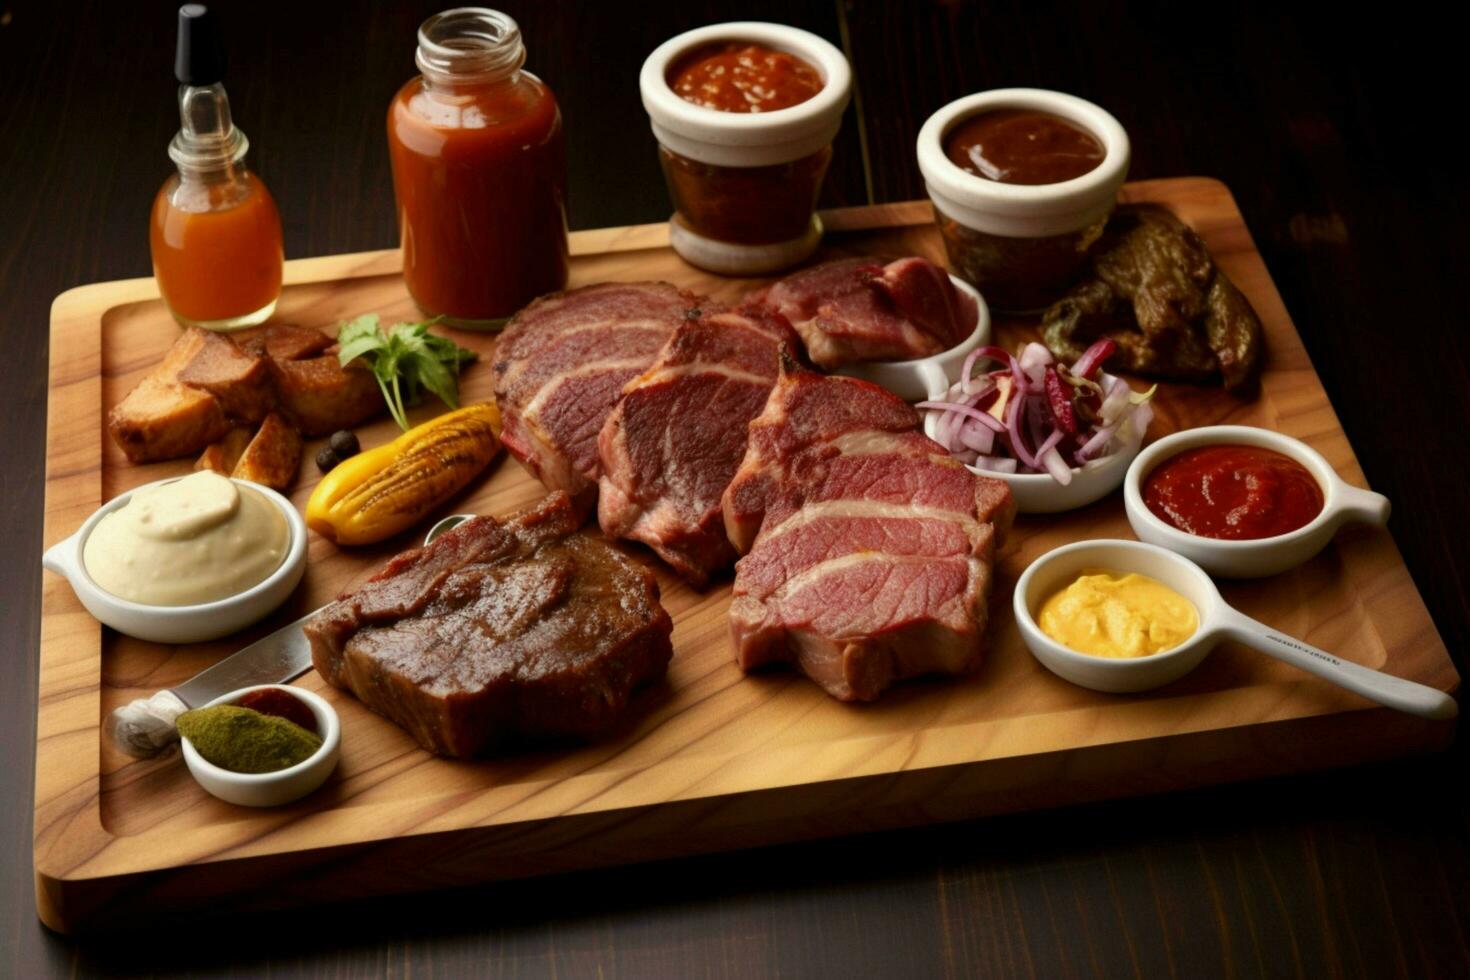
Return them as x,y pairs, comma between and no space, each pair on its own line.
217,250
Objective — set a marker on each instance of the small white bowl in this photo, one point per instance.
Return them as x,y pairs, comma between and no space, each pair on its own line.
740,140
746,139
913,380
1217,621
1057,569
1342,503
1039,493
182,624
1023,210
282,786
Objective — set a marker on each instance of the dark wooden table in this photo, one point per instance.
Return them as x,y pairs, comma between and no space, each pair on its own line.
1332,129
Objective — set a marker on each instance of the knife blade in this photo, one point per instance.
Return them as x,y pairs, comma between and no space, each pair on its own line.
144,727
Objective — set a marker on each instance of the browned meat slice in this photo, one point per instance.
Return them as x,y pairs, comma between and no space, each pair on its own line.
284,341
239,379
870,549
1157,293
163,418
852,310
272,456
321,396
560,367
672,444
499,631
222,456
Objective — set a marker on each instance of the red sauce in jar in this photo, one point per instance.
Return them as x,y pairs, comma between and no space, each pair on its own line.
480,177
1020,146
1233,493
737,76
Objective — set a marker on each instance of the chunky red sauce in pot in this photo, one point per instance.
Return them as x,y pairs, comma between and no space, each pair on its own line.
1022,146
1233,493
737,76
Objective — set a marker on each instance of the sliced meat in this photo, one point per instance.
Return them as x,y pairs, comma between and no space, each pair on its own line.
239,379
222,456
671,445
284,341
163,418
499,631
322,396
859,309
870,550
272,457
560,367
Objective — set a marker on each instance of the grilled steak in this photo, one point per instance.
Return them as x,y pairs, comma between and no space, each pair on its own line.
560,367
500,630
858,309
672,444
870,549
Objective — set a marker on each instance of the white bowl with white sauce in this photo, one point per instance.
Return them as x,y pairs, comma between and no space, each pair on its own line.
167,620
911,380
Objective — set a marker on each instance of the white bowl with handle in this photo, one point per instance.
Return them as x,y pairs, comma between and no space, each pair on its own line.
1218,621
1342,503
182,624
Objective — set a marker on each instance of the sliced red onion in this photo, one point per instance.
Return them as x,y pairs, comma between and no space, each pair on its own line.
984,418
975,436
1057,467
1093,357
1035,359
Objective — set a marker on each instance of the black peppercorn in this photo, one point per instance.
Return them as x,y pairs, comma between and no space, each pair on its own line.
326,459
344,444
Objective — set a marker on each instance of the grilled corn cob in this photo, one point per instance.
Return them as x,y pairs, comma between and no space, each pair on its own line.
378,493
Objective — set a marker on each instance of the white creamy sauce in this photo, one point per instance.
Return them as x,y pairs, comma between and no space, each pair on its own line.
195,540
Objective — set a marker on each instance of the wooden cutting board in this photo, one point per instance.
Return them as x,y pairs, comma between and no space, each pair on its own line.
714,760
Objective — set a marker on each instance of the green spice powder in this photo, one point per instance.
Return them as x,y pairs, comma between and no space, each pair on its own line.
244,740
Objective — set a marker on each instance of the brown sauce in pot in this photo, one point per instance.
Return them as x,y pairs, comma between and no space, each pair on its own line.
1021,146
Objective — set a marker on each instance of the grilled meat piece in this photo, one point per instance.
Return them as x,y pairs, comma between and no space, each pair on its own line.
499,631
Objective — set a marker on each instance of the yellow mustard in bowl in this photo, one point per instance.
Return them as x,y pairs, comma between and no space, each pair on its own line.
1118,616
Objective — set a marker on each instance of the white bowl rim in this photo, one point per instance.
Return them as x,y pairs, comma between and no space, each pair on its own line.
675,110
295,552
326,716
954,181
1207,630
1231,435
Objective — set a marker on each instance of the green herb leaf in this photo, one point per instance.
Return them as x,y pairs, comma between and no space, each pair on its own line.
405,360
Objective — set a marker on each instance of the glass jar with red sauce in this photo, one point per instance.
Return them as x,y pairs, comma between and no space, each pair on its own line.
1022,182
745,115
479,173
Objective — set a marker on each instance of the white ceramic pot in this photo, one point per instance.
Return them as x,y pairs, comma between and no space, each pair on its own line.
745,140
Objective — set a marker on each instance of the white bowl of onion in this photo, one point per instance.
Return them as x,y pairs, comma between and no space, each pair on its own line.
1066,442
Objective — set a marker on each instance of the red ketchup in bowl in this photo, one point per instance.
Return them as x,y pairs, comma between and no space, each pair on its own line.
1233,493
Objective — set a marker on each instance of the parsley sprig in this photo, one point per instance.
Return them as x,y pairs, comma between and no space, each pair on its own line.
406,360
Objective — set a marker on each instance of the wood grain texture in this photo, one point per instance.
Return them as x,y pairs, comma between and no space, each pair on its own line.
1303,109
714,760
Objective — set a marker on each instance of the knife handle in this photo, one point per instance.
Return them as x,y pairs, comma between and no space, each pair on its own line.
145,727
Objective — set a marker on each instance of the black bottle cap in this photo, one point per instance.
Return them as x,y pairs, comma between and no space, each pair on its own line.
200,57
